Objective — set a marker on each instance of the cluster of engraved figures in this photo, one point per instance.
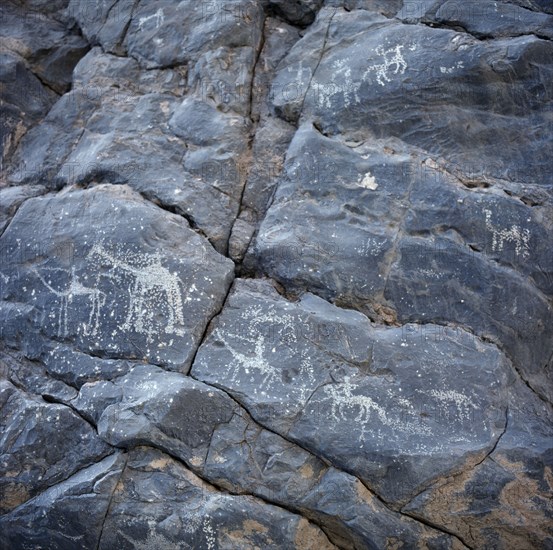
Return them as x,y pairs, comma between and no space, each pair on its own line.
149,284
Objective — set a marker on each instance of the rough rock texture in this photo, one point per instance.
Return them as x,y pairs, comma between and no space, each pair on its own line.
276,274
386,404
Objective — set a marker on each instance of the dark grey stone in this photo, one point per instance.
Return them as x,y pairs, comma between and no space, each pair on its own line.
483,19
42,444
397,407
33,378
76,368
437,280
24,101
164,34
204,428
11,199
199,177
514,480
437,89
113,275
298,12
150,406
55,518
50,49
324,232
104,22
389,8
162,504
373,368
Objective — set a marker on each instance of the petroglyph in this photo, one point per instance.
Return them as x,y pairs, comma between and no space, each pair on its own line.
392,63
153,540
371,247
158,16
152,287
209,533
250,364
75,288
282,326
341,80
297,87
449,70
462,403
343,400
155,293
514,234
341,83
260,337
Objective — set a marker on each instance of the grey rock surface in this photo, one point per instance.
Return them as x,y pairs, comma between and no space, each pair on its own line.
485,19
192,514
437,89
55,517
385,404
42,444
276,274
209,432
103,266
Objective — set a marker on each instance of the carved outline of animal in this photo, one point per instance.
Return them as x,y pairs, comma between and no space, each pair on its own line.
343,398
76,288
381,69
520,237
148,280
257,363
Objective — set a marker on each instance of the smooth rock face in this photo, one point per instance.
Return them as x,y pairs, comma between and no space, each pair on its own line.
90,136
12,197
484,19
205,429
399,270
519,470
276,274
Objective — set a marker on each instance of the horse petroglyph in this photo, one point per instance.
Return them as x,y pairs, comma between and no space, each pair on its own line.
251,363
262,339
390,62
